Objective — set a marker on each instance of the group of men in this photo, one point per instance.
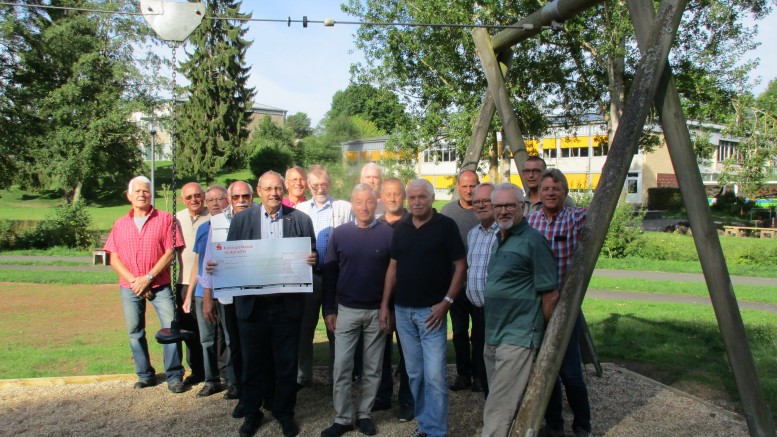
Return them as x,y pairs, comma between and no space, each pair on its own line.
378,268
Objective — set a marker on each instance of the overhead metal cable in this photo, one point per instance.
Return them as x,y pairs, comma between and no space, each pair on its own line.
328,22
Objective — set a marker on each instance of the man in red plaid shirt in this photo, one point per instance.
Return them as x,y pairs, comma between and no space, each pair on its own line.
561,225
141,248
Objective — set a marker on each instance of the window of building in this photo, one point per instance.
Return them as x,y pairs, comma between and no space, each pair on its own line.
440,153
728,150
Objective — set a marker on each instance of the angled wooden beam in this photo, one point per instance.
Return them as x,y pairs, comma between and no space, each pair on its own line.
705,236
558,11
600,212
498,91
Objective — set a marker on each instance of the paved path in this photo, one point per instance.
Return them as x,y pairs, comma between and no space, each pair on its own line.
681,277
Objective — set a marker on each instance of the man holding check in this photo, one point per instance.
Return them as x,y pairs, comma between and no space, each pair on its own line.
269,324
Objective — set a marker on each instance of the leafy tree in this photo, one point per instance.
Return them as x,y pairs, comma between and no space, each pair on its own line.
586,67
299,124
378,105
67,96
756,130
212,124
269,158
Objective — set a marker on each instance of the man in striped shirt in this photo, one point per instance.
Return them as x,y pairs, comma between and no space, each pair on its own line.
561,225
479,242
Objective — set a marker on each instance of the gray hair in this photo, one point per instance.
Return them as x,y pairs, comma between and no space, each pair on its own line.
372,165
270,172
509,187
556,176
422,183
232,185
299,170
483,185
363,187
216,187
137,179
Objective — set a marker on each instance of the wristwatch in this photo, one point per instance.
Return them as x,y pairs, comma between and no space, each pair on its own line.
448,299
150,276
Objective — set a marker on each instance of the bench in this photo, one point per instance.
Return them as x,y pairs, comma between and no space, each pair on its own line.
749,231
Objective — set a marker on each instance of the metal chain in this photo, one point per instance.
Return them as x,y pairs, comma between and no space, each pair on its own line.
174,265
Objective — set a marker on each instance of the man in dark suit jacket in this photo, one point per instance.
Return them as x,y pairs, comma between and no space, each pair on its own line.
269,325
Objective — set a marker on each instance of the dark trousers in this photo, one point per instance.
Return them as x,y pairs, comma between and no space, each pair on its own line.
460,313
478,342
189,323
233,363
386,387
571,375
269,341
221,351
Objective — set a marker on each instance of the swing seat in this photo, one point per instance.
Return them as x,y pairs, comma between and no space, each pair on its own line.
172,335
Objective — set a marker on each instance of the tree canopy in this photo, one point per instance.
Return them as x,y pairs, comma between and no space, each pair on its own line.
378,105
584,68
68,89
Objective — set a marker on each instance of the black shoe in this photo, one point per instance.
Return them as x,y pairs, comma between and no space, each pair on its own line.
380,406
366,426
193,379
209,389
476,386
176,387
290,429
460,383
144,383
301,386
336,430
238,412
406,413
232,392
251,424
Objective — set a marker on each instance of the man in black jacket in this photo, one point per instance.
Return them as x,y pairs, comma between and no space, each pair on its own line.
269,325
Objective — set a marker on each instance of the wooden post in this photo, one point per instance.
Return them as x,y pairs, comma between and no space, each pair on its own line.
523,29
600,212
705,236
498,90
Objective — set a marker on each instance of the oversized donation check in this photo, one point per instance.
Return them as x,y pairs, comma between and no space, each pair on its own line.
269,266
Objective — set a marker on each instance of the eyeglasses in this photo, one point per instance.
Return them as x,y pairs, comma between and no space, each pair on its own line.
217,199
236,197
316,187
528,171
195,196
507,206
271,189
484,202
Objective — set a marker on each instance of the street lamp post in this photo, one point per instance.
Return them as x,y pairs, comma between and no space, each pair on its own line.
152,132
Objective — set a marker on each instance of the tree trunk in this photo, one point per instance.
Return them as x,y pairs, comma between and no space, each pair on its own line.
615,71
77,192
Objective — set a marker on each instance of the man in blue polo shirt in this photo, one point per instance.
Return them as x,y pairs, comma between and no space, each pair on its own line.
428,268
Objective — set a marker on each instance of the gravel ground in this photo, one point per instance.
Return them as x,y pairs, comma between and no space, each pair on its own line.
623,404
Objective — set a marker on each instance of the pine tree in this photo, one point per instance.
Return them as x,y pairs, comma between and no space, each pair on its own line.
212,123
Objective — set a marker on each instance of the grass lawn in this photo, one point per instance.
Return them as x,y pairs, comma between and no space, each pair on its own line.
681,342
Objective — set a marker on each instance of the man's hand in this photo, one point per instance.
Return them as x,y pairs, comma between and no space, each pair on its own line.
439,312
210,267
139,285
386,322
312,259
208,309
331,322
187,304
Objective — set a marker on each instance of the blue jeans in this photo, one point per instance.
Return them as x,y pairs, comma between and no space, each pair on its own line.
134,309
207,339
571,375
425,352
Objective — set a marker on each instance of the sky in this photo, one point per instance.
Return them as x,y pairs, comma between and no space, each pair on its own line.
299,69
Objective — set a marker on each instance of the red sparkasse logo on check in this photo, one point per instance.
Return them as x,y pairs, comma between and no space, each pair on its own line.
218,247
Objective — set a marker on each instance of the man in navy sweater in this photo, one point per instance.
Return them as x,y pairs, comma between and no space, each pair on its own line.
357,257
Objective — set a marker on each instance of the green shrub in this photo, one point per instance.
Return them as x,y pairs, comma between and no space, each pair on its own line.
668,199
625,229
269,158
68,227
7,235
731,204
